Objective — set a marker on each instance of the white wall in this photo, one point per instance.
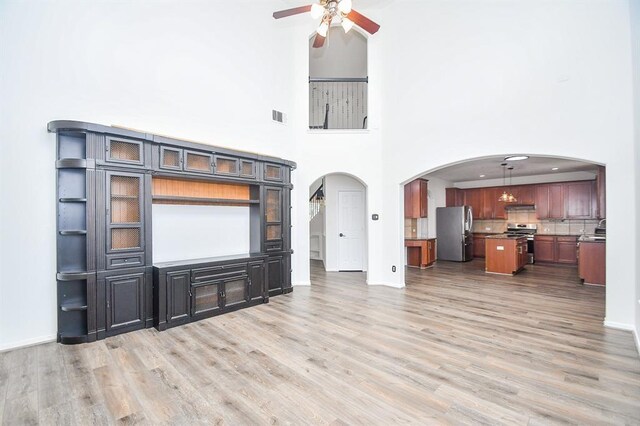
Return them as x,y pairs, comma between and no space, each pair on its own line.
343,55
547,78
335,183
635,42
166,67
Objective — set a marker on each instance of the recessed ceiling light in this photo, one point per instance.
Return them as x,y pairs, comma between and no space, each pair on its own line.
481,175
516,158
554,169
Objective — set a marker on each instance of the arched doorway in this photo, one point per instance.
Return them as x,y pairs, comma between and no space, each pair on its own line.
559,203
337,223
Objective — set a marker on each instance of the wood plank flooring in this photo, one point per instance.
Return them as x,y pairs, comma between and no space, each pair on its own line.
455,346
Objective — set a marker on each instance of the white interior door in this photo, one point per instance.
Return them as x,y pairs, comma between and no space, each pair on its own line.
350,230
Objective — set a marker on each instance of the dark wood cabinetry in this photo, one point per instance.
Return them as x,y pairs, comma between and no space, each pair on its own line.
454,197
421,253
581,200
565,200
107,180
125,304
592,262
416,204
505,255
555,249
479,245
187,291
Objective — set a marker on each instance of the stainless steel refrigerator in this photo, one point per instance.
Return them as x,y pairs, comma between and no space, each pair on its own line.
453,230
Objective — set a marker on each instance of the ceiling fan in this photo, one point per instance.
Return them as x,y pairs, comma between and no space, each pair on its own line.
329,10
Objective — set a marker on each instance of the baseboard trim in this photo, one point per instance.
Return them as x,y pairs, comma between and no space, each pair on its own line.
619,325
394,285
28,342
301,283
637,339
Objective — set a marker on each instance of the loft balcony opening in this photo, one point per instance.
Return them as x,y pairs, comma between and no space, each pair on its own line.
338,81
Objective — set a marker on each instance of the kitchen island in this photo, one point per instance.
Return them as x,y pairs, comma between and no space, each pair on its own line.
505,254
421,252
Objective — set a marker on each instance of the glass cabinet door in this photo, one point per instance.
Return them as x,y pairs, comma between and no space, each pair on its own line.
273,214
205,298
124,212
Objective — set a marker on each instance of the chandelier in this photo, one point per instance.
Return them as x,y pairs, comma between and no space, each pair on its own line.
506,197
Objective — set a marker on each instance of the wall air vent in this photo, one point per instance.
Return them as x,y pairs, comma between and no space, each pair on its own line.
279,116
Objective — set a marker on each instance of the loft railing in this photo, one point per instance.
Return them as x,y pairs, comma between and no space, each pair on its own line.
338,103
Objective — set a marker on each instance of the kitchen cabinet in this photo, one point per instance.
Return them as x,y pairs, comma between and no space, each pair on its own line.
454,197
550,201
488,203
525,194
505,255
592,262
416,202
555,249
479,245
498,207
601,190
421,253
474,198
580,200
544,248
566,250
556,201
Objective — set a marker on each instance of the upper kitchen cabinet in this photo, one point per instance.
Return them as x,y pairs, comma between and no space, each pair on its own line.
579,200
474,198
601,191
525,194
550,201
416,199
454,197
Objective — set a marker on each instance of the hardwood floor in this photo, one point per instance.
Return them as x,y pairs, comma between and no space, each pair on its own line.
455,346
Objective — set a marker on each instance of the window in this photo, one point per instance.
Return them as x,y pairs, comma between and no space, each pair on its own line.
338,81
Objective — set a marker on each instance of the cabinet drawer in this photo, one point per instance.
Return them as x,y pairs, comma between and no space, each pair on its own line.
115,261
273,246
218,272
544,238
568,239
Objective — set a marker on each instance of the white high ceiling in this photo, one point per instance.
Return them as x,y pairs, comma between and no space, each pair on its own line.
490,167
357,4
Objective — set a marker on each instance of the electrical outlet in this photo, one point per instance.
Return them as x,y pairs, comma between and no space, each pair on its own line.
487,228
393,268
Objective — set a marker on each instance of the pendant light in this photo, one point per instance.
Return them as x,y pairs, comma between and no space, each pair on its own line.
506,198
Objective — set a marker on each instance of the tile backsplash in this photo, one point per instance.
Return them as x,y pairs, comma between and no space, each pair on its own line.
553,227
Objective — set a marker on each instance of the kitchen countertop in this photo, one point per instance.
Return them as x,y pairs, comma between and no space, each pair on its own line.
592,239
506,237
418,239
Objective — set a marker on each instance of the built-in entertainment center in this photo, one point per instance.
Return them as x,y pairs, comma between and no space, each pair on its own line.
158,231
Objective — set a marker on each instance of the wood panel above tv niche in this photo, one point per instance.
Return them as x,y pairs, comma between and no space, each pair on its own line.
108,179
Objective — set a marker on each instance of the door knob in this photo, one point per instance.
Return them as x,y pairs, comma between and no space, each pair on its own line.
341,234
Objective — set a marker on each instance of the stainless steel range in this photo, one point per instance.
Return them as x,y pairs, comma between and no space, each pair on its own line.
525,230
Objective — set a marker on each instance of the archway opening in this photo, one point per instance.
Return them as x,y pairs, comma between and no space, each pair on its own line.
475,211
337,223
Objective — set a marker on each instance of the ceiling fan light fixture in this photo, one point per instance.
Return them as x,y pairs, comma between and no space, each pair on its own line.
317,10
322,29
347,24
345,6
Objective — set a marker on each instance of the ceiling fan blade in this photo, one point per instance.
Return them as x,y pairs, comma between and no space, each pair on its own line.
363,22
290,12
318,41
